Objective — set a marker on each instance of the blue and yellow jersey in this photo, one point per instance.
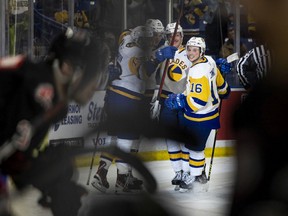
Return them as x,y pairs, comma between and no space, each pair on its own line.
204,90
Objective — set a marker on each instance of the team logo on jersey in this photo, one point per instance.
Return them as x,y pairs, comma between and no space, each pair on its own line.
44,94
174,73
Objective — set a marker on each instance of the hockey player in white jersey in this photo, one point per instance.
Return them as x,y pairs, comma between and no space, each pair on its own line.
200,105
123,104
174,82
152,79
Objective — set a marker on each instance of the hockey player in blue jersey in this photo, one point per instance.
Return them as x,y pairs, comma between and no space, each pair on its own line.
200,105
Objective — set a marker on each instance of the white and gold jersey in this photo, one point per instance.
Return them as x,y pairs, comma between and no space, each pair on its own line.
204,89
130,58
176,76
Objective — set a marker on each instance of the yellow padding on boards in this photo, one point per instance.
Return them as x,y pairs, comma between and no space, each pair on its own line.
85,160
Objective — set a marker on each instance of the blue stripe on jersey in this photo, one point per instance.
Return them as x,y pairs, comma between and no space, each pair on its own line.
222,86
196,100
200,102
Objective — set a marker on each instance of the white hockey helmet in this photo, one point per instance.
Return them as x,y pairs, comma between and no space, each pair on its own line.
197,42
170,28
155,24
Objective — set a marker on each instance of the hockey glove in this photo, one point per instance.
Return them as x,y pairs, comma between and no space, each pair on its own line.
167,52
114,72
223,65
175,101
150,66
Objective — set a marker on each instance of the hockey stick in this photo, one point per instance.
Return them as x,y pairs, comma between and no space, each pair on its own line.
95,150
53,114
93,156
171,44
231,58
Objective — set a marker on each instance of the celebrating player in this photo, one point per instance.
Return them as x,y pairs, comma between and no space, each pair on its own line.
123,104
200,105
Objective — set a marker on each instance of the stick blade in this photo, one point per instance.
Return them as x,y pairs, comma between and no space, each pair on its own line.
232,57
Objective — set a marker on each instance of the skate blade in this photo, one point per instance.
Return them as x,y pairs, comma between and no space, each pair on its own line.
127,192
122,191
177,188
184,190
200,188
99,187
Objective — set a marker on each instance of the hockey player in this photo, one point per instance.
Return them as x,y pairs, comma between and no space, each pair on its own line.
200,104
124,105
115,72
30,96
152,79
174,82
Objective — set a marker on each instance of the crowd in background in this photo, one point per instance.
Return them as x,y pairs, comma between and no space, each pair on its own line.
210,19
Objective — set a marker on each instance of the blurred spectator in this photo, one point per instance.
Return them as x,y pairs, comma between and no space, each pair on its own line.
111,16
216,28
137,11
193,11
228,47
81,19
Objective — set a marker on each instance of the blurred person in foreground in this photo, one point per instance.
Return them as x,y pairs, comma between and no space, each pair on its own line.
35,95
254,65
260,124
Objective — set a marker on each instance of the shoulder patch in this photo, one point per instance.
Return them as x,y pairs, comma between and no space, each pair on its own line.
201,60
11,62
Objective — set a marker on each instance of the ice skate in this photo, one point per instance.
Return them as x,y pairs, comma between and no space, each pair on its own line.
177,188
177,179
100,180
202,178
126,184
187,182
201,183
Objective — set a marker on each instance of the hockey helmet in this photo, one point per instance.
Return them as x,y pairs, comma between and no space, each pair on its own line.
197,42
141,33
156,25
170,28
70,45
77,47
